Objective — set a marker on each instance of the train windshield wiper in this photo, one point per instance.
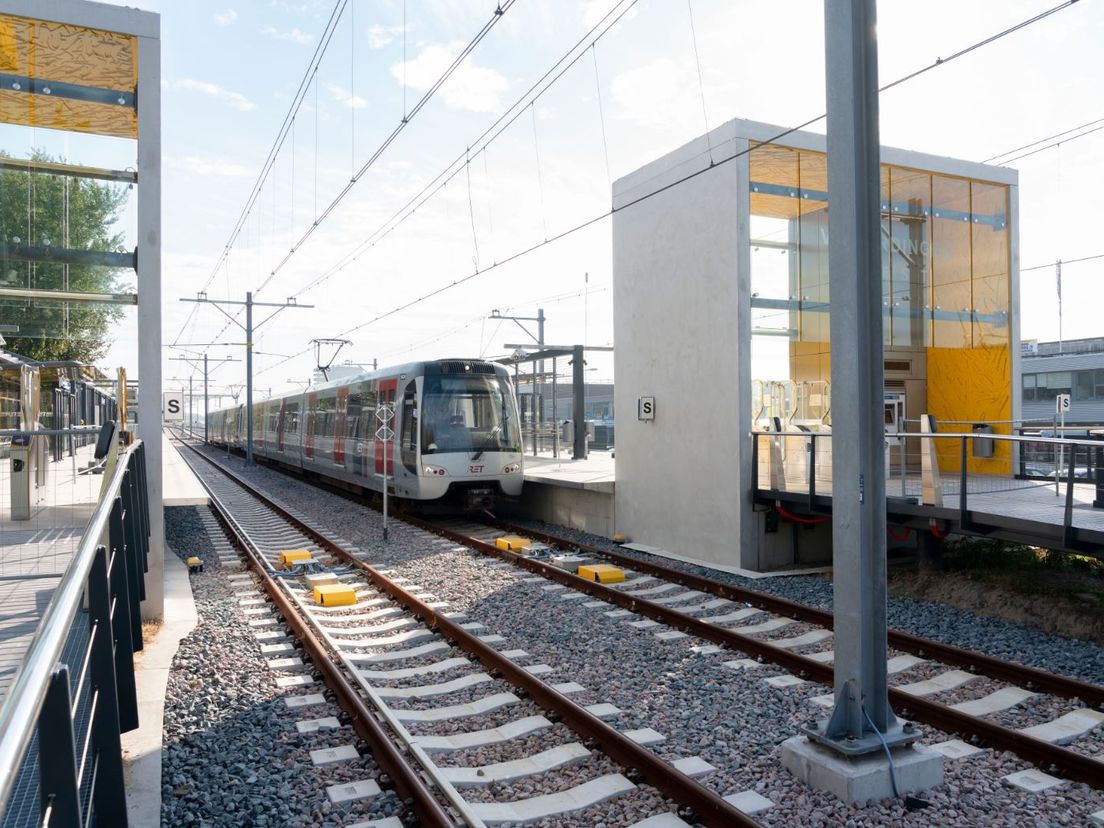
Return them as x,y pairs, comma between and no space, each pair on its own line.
478,454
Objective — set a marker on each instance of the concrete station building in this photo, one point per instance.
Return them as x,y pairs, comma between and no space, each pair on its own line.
721,248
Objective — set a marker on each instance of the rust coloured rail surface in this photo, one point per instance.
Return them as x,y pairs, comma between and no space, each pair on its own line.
708,807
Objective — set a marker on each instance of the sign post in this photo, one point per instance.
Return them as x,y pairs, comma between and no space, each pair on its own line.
172,406
384,414
1061,406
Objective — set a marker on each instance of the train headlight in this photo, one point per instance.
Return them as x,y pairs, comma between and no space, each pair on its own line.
433,471
512,468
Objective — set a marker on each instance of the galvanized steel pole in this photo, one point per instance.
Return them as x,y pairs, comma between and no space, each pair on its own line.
858,433
249,379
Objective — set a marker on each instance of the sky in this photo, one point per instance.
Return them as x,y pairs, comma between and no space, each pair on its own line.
658,78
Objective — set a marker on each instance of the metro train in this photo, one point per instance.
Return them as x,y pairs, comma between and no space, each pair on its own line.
456,431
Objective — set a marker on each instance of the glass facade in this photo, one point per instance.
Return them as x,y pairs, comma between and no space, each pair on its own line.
946,287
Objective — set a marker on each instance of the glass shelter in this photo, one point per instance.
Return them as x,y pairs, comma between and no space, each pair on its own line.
722,300
946,283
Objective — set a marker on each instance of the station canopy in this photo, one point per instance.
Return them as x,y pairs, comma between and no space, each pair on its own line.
67,77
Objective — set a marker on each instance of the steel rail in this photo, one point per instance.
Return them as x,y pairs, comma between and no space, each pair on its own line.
1044,754
1031,678
707,805
387,755
1069,763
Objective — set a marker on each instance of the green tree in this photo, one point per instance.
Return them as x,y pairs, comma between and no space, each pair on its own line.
54,211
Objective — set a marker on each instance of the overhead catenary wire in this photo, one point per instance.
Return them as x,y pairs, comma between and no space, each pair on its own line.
672,184
499,12
485,139
1064,262
277,144
1058,143
992,158
319,217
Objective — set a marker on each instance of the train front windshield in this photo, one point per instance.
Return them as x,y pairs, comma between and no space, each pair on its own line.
468,413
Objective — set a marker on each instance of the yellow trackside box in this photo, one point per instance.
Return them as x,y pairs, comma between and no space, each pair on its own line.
512,543
290,557
602,573
334,595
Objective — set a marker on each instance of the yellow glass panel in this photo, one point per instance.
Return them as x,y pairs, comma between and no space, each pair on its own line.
72,55
990,263
950,264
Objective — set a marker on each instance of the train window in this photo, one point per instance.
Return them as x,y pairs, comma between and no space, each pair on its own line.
468,413
291,419
409,434
324,417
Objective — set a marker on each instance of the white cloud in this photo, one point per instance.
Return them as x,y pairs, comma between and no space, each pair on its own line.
595,10
659,94
470,87
343,96
200,165
296,35
227,17
380,36
235,100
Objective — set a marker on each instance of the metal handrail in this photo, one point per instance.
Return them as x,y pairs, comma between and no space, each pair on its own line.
20,710
945,435
48,432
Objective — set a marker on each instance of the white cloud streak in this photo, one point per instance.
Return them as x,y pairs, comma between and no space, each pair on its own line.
226,18
235,100
212,166
296,35
344,96
380,36
471,87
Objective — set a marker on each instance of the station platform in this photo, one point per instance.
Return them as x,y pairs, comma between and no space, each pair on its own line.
35,553
575,493
595,473
180,486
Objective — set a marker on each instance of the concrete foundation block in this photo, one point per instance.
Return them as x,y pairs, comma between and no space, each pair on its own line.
867,777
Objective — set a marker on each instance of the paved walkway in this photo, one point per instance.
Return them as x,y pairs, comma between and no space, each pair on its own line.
35,553
595,473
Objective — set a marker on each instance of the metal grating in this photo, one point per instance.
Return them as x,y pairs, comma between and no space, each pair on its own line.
23,808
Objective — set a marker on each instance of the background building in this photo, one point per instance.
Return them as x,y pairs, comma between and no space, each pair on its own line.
1074,367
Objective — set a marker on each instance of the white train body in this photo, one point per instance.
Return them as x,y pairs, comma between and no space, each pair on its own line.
456,430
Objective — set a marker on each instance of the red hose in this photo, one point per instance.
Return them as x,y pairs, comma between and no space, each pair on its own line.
800,518
898,536
937,533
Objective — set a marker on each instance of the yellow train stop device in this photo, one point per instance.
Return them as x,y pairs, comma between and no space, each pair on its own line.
334,595
602,573
291,557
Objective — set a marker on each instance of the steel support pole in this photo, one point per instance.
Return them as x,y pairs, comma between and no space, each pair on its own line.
858,463
205,399
578,387
555,420
540,343
149,289
249,379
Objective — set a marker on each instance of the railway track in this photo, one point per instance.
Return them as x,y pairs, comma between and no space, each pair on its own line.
407,670
741,619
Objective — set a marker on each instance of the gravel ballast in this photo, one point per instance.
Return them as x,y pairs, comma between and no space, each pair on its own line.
727,717
231,754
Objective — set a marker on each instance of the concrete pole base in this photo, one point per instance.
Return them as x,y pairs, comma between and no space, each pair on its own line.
863,778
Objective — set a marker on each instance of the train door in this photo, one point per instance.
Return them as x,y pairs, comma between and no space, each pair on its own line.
308,435
341,415
386,395
281,424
